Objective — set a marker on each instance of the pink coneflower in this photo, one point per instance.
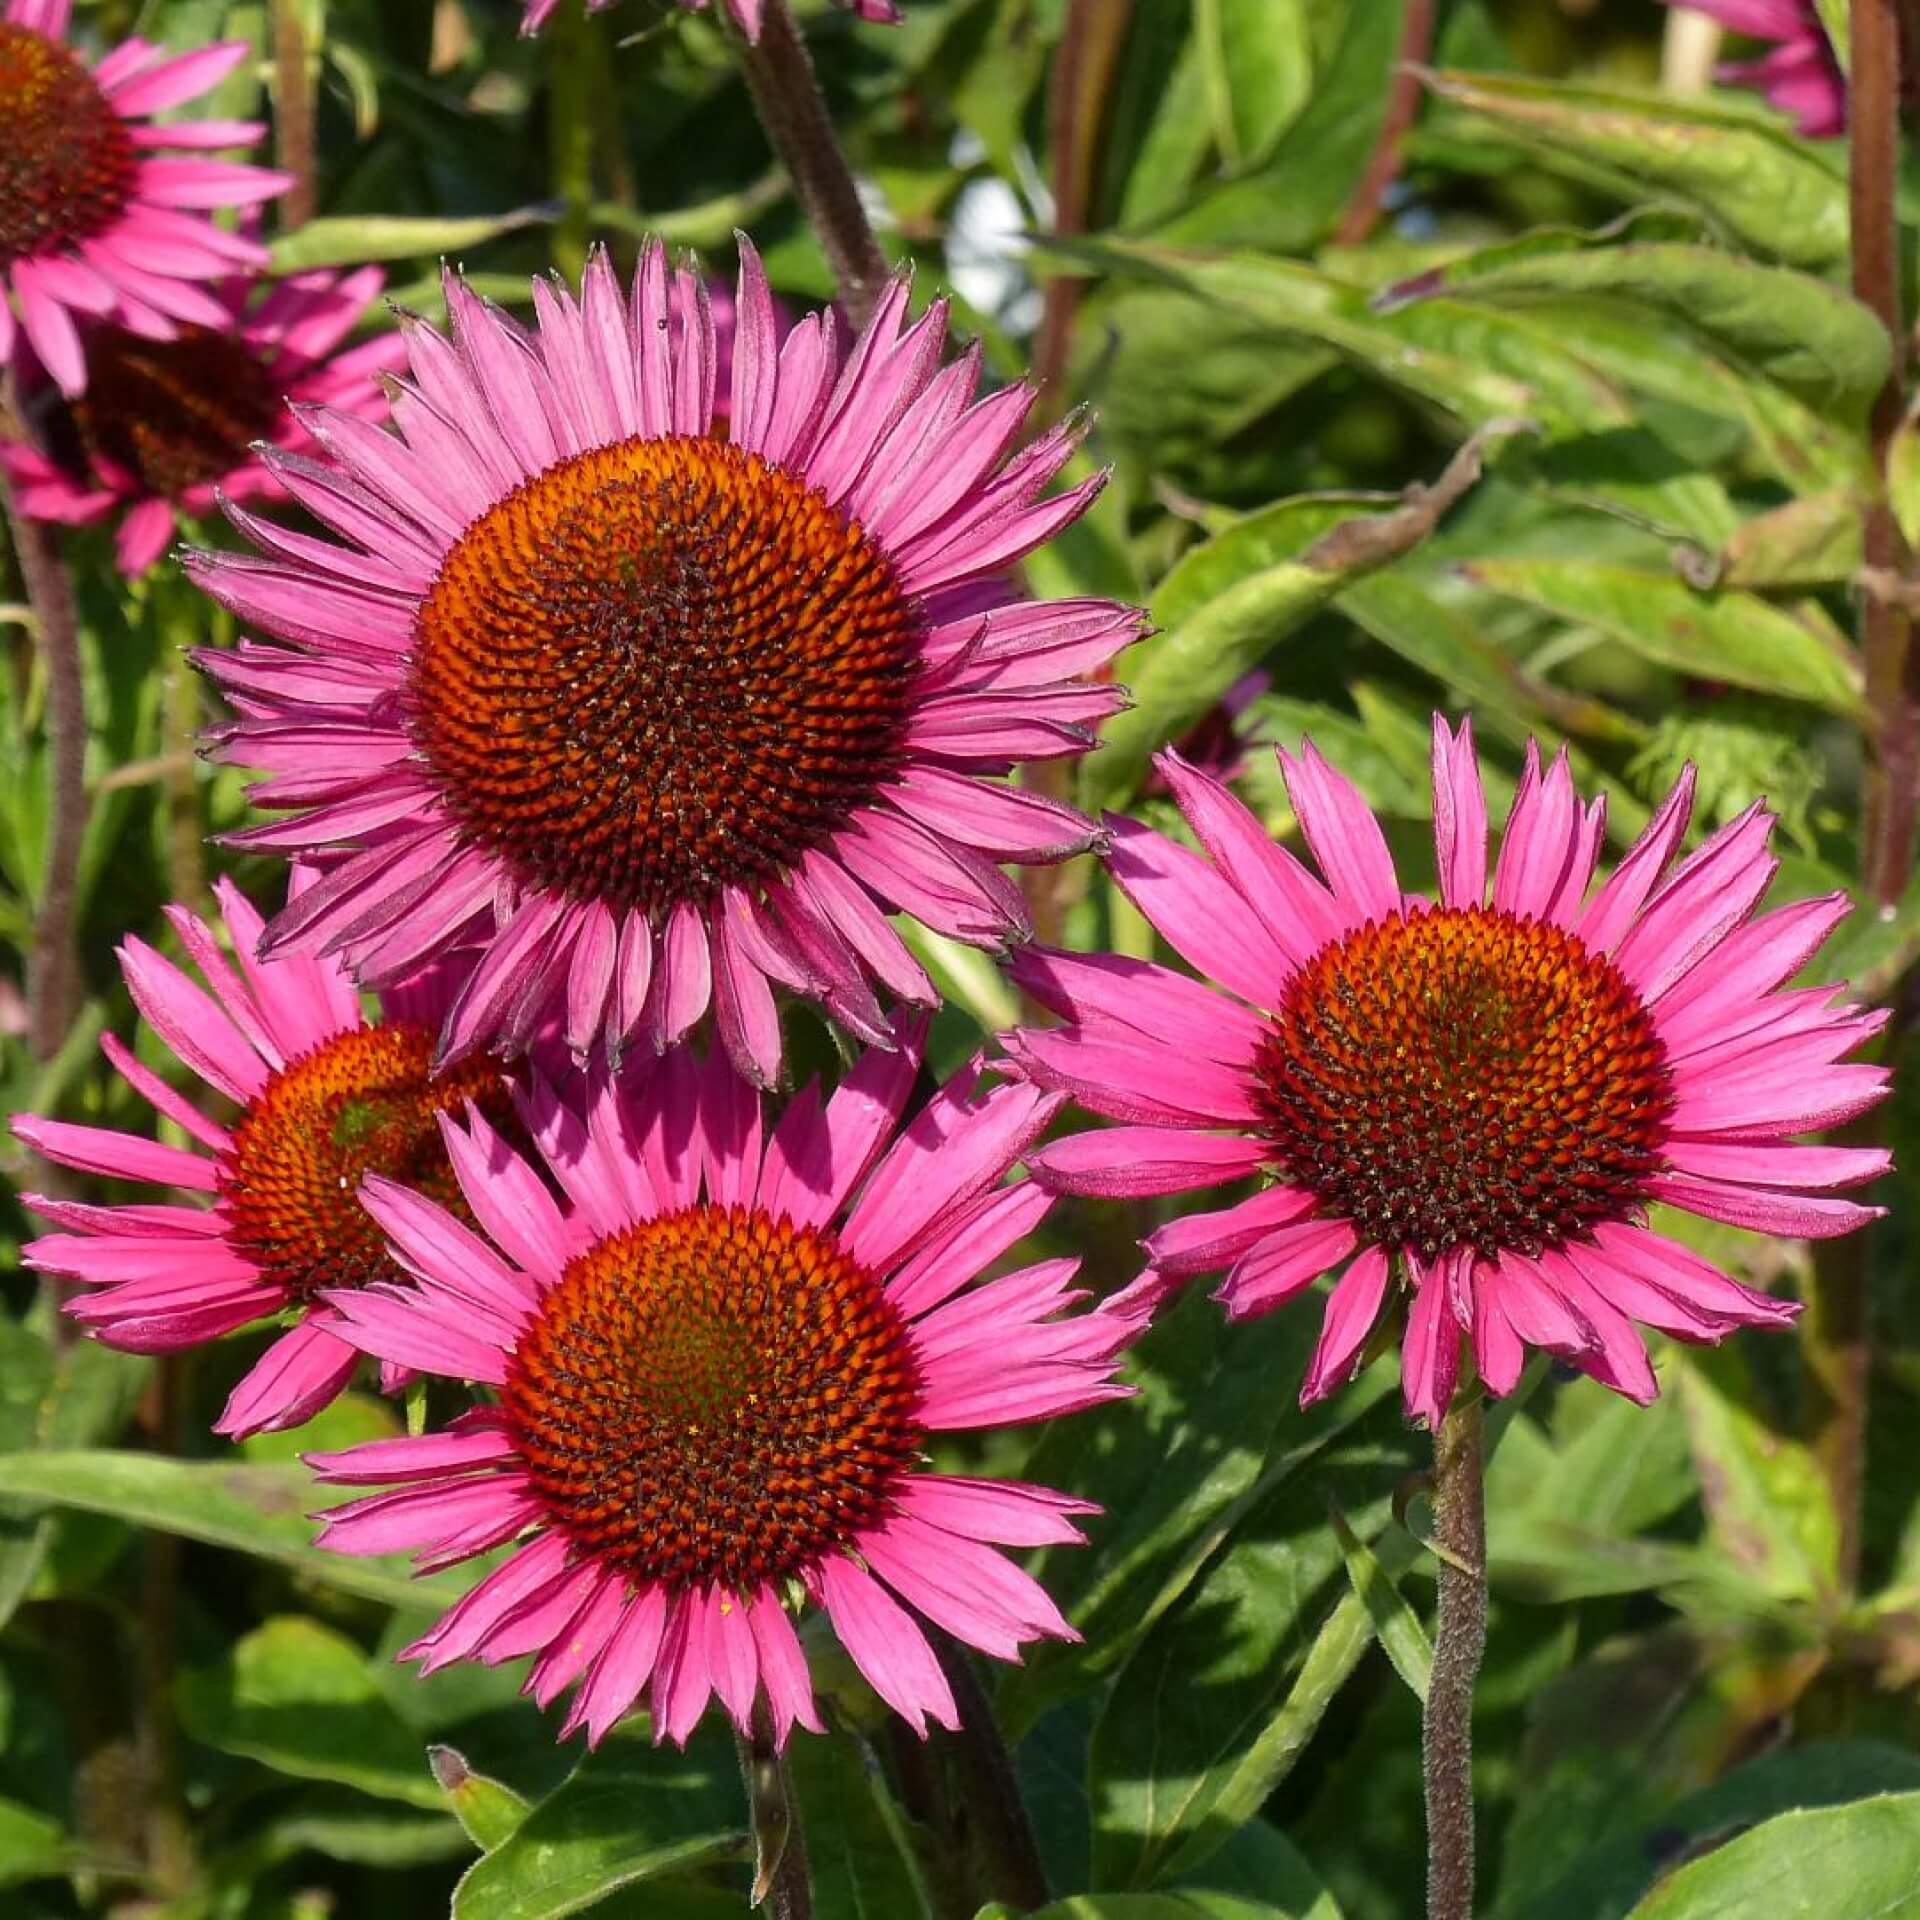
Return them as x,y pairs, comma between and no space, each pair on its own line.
164,424
1468,1104
667,717
714,1381
749,13
94,218
323,1098
1800,76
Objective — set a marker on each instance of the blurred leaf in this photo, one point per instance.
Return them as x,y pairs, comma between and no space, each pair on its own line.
1733,164
488,1810
352,239
1395,1624
1814,541
963,975
31,1846
1853,1861
1295,199
297,1696
1769,1509
1166,1906
1903,477
1257,59
629,1813
1730,636
253,1510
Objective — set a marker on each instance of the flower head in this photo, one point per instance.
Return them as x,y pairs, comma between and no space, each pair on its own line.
749,13
323,1098
96,217
663,717
166,426
1487,1092
1800,76
715,1376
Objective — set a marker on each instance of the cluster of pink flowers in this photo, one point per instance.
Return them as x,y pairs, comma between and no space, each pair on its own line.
637,681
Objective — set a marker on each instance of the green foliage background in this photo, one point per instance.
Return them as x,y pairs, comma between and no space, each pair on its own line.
1638,305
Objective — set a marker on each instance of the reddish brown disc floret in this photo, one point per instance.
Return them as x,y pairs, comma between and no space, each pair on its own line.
363,1102
715,1396
1464,1078
66,163
174,414
659,668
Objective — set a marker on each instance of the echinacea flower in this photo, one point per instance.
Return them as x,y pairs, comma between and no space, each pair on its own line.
714,1379
661,717
165,425
323,1098
1470,1102
749,13
96,217
1800,76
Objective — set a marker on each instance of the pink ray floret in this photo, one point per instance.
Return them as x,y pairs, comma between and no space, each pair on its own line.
914,1209
122,232
875,433
289,329
1494,1233
1800,76
157,1277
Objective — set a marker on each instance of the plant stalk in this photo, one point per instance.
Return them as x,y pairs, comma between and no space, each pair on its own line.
293,117
570,134
988,1788
53,959
786,95
1403,108
782,1887
1460,1638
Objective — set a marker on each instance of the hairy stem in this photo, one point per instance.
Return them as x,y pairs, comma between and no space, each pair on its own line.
293,135
53,960
787,97
1460,1637
987,1787
781,1883
1403,108
1893,698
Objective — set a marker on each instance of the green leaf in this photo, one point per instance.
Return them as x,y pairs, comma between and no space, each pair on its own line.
1769,1510
255,1510
1227,604
1903,477
1730,636
1173,1468
629,1813
1808,335
1860,1861
1214,1707
31,1845
1395,1623
299,1697
488,1810
1256,57
355,238
858,1848
1733,165
1814,541
1160,1906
